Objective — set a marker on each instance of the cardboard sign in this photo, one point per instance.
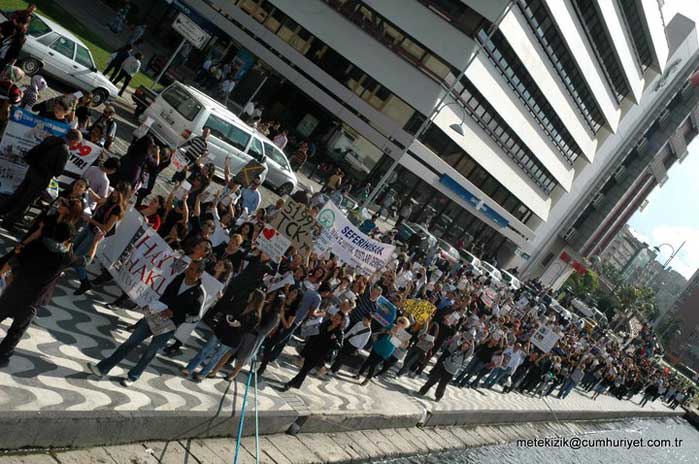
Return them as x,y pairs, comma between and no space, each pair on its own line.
295,222
278,281
272,243
488,297
545,338
249,172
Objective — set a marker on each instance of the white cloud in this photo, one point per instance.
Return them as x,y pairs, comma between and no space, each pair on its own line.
687,260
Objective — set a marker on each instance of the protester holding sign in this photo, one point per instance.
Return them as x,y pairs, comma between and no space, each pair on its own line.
45,161
35,269
181,302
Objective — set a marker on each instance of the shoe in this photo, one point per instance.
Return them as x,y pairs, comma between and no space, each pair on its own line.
285,387
365,383
101,279
185,373
172,351
85,286
126,382
95,370
196,377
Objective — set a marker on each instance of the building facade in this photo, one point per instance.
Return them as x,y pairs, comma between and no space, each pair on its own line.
683,344
529,104
622,249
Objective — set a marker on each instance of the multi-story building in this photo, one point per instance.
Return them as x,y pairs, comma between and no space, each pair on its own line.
519,125
622,249
667,284
683,345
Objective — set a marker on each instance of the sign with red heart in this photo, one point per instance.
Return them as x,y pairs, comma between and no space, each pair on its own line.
269,233
272,243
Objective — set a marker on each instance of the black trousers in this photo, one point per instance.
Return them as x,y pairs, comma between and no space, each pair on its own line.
370,365
439,376
14,304
308,365
113,67
14,206
123,75
347,351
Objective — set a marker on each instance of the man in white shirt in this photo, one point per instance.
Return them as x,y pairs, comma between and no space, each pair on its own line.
355,339
98,180
227,87
513,357
129,68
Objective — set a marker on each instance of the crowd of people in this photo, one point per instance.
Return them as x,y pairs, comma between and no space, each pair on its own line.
480,334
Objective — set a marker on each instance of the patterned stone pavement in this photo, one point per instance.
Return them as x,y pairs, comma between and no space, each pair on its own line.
48,374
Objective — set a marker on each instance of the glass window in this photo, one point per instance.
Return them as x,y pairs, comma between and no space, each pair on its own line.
182,102
256,150
48,39
37,27
64,46
275,155
82,56
227,132
398,110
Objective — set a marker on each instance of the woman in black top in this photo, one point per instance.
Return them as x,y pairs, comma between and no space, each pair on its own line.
319,348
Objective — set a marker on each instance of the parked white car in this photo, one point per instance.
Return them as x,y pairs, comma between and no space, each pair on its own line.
491,271
181,111
54,51
509,279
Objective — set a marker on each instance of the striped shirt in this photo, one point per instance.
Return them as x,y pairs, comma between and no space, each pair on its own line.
364,307
195,147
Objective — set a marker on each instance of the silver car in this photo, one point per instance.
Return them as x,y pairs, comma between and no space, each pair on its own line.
54,51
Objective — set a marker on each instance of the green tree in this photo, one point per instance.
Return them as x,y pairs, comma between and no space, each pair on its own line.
583,286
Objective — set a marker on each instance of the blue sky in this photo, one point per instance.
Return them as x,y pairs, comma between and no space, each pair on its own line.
672,214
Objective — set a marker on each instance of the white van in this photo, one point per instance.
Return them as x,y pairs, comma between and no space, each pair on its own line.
181,111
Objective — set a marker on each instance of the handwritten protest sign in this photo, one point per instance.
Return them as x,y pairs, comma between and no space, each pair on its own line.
142,263
272,243
295,222
545,338
349,244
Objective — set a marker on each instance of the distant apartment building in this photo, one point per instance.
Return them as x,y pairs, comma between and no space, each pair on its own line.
622,249
683,345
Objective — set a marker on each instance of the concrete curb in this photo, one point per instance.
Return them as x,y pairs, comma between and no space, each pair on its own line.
58,429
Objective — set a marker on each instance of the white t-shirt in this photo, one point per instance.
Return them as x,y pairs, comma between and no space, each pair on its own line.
99,183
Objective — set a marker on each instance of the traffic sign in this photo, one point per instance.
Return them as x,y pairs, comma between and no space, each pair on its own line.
190,30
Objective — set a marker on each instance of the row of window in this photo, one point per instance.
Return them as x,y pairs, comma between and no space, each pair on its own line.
634,25
522,83
327,59
461,16
552,42
481,111
392,37
597,35
449,151
382,99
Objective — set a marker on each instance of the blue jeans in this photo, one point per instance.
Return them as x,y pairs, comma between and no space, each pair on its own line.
81,247
475,366
141,332
495,376
213,350
567,387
